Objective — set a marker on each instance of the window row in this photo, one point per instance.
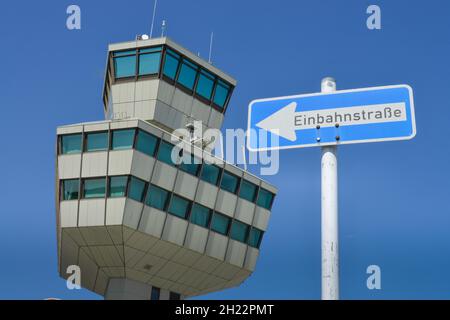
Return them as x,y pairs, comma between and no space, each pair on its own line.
169,154
161,199
175,69
156,293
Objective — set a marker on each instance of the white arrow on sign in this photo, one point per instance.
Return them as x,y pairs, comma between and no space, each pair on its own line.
287,120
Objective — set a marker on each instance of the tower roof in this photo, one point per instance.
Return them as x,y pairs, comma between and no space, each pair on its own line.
170,43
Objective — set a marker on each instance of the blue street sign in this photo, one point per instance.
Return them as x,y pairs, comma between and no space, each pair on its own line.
340,117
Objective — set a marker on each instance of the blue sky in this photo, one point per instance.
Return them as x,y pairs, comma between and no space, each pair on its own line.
394,209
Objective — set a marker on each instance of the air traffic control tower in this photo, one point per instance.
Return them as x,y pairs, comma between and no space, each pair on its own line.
138,224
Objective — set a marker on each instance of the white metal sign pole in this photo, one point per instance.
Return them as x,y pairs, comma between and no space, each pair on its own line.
329,216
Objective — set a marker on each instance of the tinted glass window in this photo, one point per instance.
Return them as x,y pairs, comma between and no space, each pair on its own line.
200,215
239,231
247,190
156,197
71,143
220,223
265,199
117,186
136,189
70,189
149,62
190,165
125,66
94,188
205,84
210,173
97,141
171,64
165,152
187,74
254,238
221,94
229,182
174,296
155,293
122,139
146,143
179,207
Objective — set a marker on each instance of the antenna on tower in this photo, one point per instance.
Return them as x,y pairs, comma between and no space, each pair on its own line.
210,47
163,28
153,18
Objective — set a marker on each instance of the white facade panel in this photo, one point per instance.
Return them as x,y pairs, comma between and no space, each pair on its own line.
152,221
215,119
200,111
144,109
182,102
91,212
123,124
226,203
69,129
69,166
244,211
96,127
94,164
236,253
120,162
132,214
146,89
217,245
164,175
123,92
261,218
174,230
168,116
142,166
123,110
196,238
186,185
115,208
206,194
250,258
69,213
166,92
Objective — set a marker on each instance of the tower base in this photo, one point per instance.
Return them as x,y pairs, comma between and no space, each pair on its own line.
126,289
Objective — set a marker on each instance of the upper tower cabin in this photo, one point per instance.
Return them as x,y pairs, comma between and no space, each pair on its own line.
159,81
